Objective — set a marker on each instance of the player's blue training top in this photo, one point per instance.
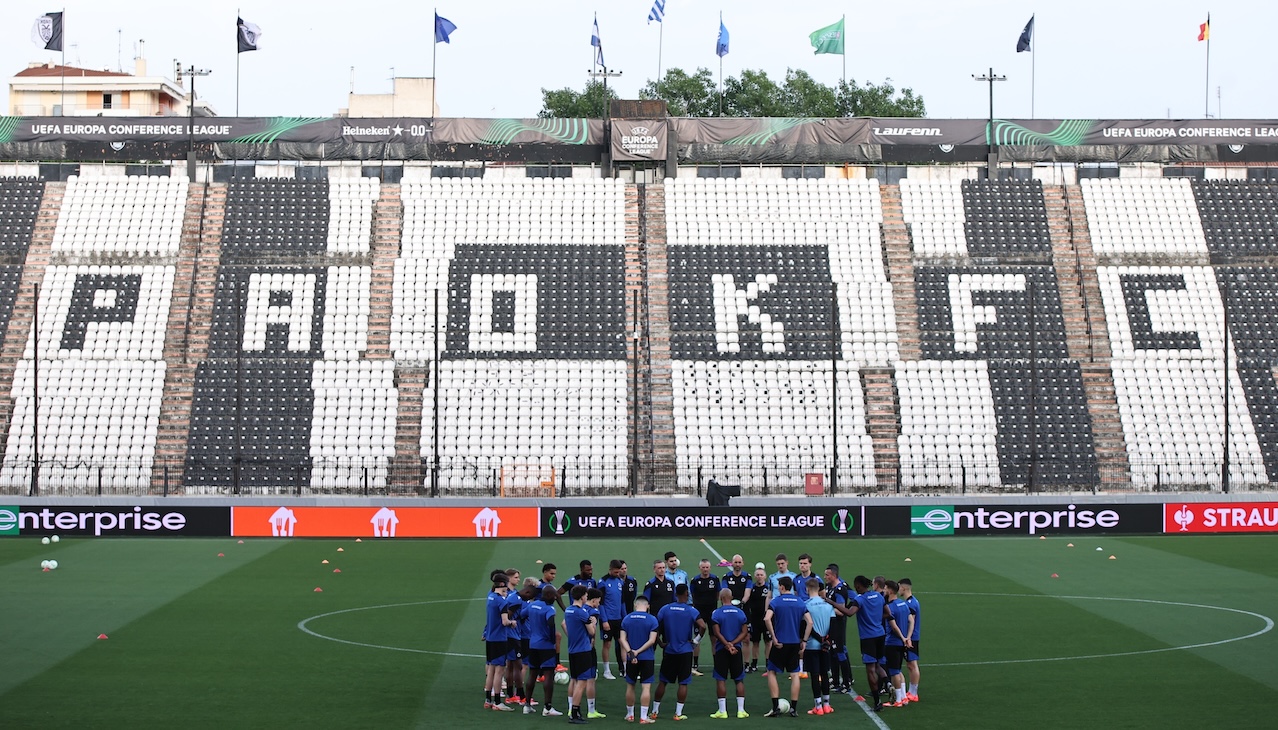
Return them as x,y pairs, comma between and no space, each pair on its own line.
678,626
514,609
541,625
730,620
679,576
577,580
869,615
900,611
913,603
610,606
801,585
577,618
787,618
493,628
773,578
822,613
638,626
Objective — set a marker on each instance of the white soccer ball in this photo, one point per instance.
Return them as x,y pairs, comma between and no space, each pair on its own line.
44,564
735,602
53,565
783,704
561,678
44,541
55,538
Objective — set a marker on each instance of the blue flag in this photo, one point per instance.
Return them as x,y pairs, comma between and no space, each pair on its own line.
721,47
443,28
1027,35
598,44
658,11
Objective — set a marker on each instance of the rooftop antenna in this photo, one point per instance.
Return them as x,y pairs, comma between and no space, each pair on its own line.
119,50
352,79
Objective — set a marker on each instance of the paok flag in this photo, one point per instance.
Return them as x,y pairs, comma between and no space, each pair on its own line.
828,39
721,45
1204,30
1027,37
598,44
443,28
247,35
47,32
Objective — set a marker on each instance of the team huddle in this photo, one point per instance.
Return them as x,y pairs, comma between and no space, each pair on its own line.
797,623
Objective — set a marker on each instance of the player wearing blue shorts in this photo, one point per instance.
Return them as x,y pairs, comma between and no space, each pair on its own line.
868,607
912,652
612,612
514,640
543,648
838,592
580,626
680,623
637,642
729,628
495,642
787,621
897,642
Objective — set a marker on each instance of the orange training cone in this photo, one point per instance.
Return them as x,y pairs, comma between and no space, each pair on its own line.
1112,558
323,562
358,540
318,589
1055,575
241,542
102,636
341,550
221,555
337,570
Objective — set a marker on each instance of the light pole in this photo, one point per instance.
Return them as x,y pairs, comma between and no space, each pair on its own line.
989,129
193,72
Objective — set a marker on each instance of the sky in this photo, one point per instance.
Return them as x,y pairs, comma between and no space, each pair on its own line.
1097,60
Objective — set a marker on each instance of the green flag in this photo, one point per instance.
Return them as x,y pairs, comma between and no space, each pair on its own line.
829,39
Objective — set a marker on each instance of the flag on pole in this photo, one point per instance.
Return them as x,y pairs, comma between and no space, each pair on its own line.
1027,37
1204,30
443,28
47,32
598,44
721,46
828,39
658,11
246,35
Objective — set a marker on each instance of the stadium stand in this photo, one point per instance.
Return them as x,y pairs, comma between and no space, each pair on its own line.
1005,218
19,205
121,216
1239,218
1143,216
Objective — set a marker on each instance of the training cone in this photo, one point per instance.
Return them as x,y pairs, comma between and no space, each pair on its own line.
1042,537
221,555
337,570
358,540
1112,558
1070,545
1055,575
908,560
45,569
1098,550
318,590
342,550
103,636
323,562
539,562
240,542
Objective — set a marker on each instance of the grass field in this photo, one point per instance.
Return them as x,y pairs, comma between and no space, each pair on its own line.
198,640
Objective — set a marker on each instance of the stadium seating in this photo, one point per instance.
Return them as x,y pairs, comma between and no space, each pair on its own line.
1006,218
19,205
121,216
1239,218
266,216
1143,216
771,284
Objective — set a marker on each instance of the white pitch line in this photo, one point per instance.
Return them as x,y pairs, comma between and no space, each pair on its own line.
303,626
869,711
1269,625
713,551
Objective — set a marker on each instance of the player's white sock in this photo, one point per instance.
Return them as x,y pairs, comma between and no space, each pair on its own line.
816,701
740,704
590,705
800,666
643,712
656,707
914,689
630,710
678,708
825,699
569,704
723,704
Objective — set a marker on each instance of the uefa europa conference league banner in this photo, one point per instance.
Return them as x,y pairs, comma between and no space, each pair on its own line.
642,139
693,521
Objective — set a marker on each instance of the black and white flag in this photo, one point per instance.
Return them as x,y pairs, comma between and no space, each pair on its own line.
47,31
246,35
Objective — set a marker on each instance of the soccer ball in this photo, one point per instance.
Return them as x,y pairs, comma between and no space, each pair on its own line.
561,678
53,565
55,538
783,704
44,541
735,602
44,564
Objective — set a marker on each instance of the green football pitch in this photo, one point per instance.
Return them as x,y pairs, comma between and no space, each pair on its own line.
1174,632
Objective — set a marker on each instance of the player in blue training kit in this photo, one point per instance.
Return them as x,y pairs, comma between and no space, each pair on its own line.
514,640
817,657
611,612
788,621
495,642
783,570
868,607
912,651
680,623
581,626
898,640
543,648
673,571
838,593
729,629
637,642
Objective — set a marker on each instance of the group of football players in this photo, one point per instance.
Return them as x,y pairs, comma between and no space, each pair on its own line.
797,623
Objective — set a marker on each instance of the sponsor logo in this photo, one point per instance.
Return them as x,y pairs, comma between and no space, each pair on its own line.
842,521
8,520
282,522
1236,148
908,131
639,130
129,521
560,522
947,148
117,146
349,131
486,522
931,520
384,521
1222,517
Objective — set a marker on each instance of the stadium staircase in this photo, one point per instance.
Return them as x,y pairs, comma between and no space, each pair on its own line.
20,321
657,441
1087,334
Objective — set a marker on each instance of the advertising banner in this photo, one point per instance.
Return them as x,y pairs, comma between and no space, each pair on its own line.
99,521
1014,519
1200,517
384,522
639,139
815,521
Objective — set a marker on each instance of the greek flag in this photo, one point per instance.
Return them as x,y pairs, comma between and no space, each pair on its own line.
658,11
594,41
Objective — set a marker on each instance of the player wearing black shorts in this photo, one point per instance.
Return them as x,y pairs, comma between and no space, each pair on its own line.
755,606
637,639
704,587
839,593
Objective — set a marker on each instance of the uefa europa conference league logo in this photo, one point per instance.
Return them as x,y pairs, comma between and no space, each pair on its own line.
560,522
937,520
842,521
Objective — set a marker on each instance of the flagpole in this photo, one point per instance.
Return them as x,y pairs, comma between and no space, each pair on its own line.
237,66
434,52
720,67
1207,79
843,39
660,33
63,72
1033,63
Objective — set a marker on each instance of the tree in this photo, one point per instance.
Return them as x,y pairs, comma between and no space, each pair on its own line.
804,96
878,101
753,94
567,103
685,95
